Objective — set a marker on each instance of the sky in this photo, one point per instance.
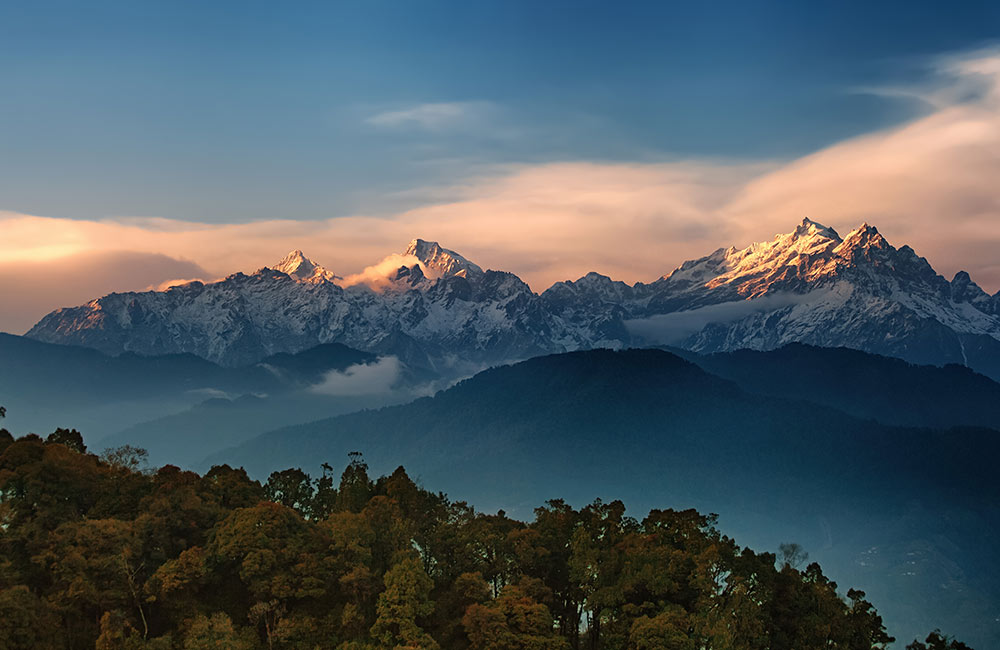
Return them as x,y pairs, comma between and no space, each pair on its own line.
148,142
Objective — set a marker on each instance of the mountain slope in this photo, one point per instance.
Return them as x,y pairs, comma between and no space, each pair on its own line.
897,511
864,385
440,312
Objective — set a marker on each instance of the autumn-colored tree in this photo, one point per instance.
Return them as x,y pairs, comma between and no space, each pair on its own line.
25,622
103,552
671,629
275,556
218,633
514,621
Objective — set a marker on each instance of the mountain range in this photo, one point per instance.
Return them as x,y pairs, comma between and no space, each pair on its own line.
440,313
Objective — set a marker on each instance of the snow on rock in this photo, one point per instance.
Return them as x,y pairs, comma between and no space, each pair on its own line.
300,267
434,308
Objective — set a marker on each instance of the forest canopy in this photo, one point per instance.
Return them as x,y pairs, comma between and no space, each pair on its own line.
99,551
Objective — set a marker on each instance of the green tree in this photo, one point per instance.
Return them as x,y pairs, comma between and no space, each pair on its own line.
403,605
232,488
292,488
355,486
325,499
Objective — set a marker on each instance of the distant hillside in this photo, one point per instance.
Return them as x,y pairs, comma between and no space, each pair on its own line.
562,406
185,438
45,386
868,386
867,499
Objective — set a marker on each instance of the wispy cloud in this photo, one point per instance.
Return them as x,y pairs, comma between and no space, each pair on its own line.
439,116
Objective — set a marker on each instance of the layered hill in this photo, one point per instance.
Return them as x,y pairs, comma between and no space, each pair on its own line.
868,386
45,386
442,313
906,513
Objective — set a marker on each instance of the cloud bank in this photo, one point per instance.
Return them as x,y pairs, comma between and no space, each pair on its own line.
930,183
375,378
29,289
673,328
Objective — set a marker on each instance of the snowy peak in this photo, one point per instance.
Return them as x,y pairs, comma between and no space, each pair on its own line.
863,238
803,254
300,267
810,229
441,262
432,307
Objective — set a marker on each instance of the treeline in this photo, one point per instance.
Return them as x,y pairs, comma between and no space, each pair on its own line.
97,552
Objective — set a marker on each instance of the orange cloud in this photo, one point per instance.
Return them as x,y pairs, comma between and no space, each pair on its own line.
29,289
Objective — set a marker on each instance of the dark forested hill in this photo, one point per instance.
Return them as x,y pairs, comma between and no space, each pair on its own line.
867,385
558,410
903,510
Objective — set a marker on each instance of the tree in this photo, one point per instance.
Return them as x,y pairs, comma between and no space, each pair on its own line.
792,554
403,604
218,632
117,633
668,630
126,457
232,488
514,621
292,488
937,641
355,486
69,437
865,628
105,554
6,440
325,500
26,623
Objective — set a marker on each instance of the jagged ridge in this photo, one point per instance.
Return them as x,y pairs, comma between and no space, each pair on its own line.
444,312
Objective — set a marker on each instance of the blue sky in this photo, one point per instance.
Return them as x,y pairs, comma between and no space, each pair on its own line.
239,111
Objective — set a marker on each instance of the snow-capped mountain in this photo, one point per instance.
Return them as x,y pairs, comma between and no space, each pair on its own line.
439,310
300,267
809,286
